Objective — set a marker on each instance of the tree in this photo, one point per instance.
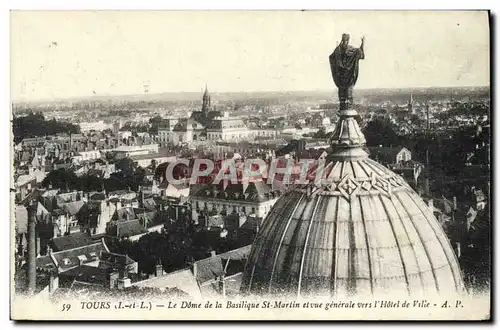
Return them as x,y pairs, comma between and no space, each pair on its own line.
62,179
321,134
380,132
34,125
155,122
126,166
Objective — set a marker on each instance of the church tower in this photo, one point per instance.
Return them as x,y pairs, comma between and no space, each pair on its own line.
206,101
410,105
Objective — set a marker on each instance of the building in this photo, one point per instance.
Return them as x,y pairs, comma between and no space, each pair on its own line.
208,124
131,151
219,276
94,126
162,156
411,109
80,260
252,198
390,155
364,231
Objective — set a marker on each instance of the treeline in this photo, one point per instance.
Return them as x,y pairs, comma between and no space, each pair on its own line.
34,125
128,176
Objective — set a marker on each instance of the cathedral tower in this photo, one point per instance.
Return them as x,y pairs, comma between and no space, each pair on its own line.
206,101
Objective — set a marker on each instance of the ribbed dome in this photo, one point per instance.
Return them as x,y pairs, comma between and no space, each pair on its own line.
363,231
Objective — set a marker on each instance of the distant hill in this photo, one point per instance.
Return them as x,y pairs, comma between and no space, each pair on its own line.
387,93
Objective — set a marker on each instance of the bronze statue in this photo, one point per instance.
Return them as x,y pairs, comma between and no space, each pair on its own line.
344,63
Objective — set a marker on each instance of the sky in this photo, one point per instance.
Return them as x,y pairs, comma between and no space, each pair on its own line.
74,54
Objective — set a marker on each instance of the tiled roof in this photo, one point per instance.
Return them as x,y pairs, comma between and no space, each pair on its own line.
73,207
257,191
182,279
24,179
150,204
212,267
72,241
128,228
86,274
69,258
115,258
98,196
125,213
385,154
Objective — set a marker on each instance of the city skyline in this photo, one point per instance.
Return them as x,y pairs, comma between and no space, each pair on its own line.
87,53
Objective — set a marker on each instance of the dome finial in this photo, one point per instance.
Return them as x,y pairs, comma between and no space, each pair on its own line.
347,141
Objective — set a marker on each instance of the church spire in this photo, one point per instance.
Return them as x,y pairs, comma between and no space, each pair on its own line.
410,104
206,100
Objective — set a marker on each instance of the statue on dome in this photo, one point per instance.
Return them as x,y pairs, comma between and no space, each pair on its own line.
344,64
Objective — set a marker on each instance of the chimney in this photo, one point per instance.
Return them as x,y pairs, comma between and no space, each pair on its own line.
123,281
455,206
222,286
32,247
195,269
38,246
213,253
458,250
112,280
53,281
158,269
431,204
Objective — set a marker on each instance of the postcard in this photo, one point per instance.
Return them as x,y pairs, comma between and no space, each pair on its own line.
250,165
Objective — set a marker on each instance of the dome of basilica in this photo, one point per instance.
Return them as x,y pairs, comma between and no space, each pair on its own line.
362,230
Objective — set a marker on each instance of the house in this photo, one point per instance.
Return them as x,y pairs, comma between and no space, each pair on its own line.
24,185
479,198
390,155
182,279
131,229
220,275
162,156
225,198
90,264
173,190
70,242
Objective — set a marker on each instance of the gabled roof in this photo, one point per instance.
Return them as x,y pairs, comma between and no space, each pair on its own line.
385,154
72,207
72,241
189,124
257,191
24,179
123,214
97,196
115,258
212,267
127,228
182,279
70,258
150,204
